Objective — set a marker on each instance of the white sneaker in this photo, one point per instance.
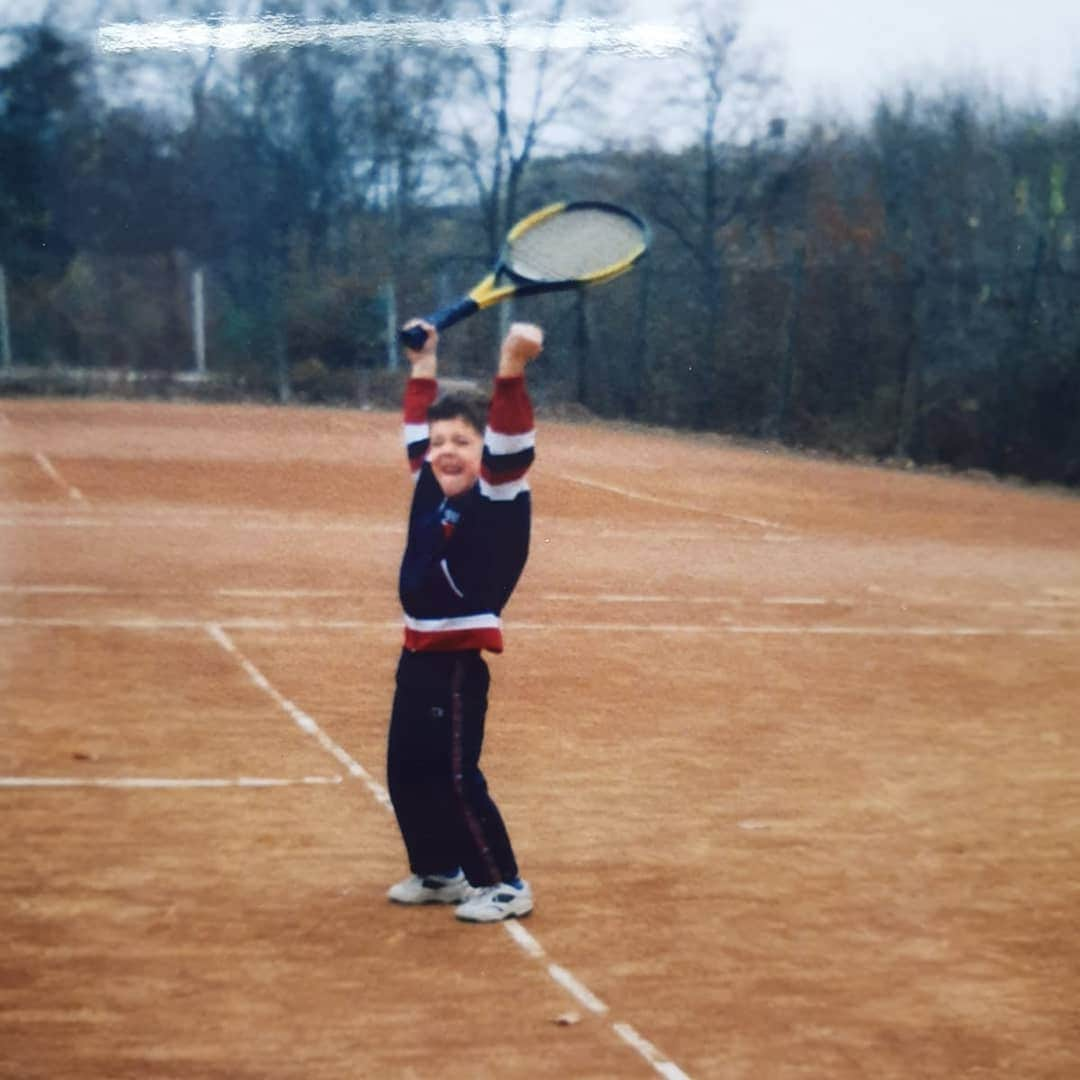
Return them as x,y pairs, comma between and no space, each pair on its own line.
493,903
431,889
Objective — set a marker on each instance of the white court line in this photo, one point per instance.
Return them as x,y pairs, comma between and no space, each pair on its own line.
1063,605
546,531
524,939
608,598
60,590
795,631
242,525
638,496
688,629
581,993
180,514
875,600
21,515
169,783
644,598
152,624
13,519
51,472
286,594
908,631
590,1001
576,989
246,594
649,1052
729,601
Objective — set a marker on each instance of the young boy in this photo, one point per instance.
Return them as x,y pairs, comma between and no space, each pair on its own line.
467,545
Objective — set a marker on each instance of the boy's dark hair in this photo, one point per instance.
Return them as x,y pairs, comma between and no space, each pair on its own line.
470,406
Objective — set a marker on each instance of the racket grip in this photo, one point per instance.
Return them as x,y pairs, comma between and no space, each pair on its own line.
415,336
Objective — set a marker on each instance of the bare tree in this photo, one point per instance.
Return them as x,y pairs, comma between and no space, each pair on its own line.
516,88
719,102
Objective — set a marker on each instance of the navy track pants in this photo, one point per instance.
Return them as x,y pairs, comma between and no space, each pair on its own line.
446,816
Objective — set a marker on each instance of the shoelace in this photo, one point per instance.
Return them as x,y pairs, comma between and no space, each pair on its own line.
491,892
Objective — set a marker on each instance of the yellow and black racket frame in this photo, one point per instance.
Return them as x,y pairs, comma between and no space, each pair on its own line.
504,281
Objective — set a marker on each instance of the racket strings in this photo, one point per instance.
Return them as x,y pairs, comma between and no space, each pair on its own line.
575,244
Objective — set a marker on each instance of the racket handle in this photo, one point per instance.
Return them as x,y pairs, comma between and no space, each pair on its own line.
415,336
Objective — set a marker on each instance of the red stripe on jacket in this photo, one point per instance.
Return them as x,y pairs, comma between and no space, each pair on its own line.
419,396
511,410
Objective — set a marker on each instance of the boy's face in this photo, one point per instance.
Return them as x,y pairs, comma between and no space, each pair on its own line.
455,452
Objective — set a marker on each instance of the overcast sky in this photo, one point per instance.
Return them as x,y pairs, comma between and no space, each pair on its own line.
845,52
842,54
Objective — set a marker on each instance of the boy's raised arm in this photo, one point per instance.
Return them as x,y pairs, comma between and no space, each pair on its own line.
523,344
420,392
510,439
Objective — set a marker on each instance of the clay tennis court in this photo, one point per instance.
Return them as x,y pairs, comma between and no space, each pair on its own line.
788,749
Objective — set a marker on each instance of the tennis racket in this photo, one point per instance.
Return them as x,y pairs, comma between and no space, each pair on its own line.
561,246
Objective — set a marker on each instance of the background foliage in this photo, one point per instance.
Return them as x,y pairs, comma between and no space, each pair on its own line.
904,288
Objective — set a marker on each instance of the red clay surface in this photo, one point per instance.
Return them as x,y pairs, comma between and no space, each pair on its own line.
788,750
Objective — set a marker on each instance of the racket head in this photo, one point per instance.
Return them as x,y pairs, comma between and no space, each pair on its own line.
565,245
572,244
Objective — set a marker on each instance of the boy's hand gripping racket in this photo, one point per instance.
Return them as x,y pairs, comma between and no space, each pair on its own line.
562,246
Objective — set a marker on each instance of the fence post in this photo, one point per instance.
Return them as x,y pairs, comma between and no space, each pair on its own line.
198,319
5,332
390,304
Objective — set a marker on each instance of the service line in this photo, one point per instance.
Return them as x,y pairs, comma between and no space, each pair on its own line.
154,625
167,783
560,975
62,590
1062,601
87,521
